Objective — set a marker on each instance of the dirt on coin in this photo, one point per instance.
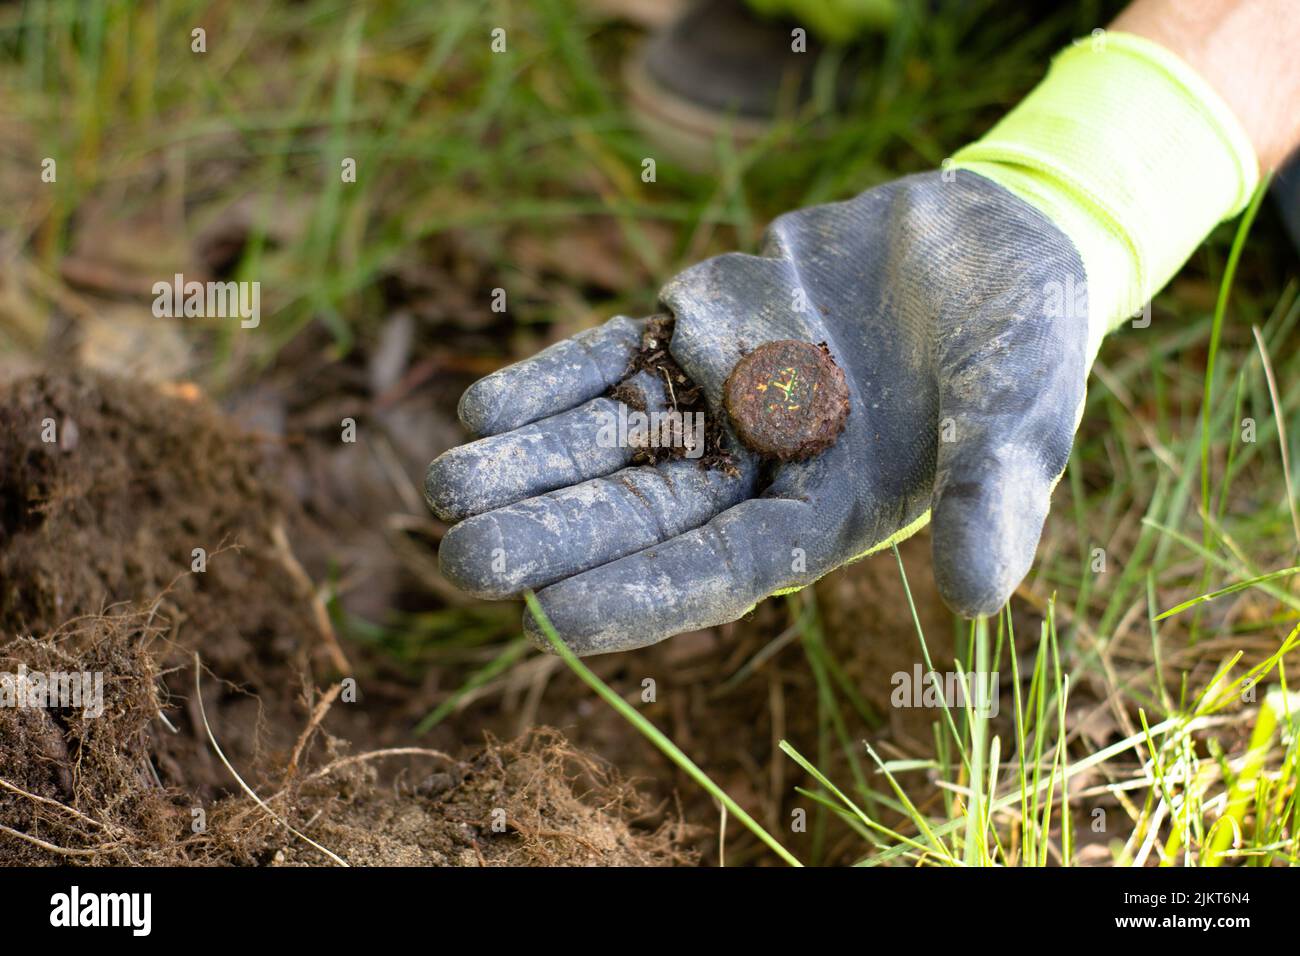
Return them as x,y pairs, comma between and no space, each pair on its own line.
787,400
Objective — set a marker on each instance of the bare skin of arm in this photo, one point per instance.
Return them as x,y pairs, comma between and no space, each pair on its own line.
1248,50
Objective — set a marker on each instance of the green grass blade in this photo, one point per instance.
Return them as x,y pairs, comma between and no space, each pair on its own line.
651,732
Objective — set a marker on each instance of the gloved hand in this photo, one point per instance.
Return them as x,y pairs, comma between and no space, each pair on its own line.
958,307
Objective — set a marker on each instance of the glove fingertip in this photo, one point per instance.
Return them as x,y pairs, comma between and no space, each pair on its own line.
480,406
469,557
444,487
984,538
533,631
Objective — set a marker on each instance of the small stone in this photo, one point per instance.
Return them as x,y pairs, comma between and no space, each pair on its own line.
787,400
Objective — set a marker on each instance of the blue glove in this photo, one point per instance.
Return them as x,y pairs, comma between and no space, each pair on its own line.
958,307
940,297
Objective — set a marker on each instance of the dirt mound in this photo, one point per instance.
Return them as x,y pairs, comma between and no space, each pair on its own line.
119,495
116,492
535,801
76,785
87,788
108,489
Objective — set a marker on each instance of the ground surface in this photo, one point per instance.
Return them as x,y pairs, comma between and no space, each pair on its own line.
97,534
522,172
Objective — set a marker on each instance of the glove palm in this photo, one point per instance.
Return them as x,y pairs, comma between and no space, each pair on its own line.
954,309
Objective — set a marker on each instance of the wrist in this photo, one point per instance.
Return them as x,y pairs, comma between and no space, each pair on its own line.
1245,50
1132,155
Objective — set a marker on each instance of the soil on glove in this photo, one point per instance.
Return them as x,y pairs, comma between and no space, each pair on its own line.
684,395
102,515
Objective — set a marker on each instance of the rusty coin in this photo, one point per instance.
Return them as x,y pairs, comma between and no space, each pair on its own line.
787,400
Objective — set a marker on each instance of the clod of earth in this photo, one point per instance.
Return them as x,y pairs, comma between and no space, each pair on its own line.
95,578
787,400
682,396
